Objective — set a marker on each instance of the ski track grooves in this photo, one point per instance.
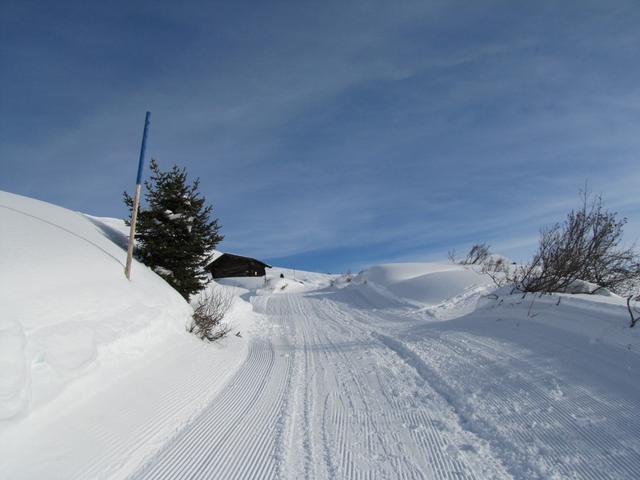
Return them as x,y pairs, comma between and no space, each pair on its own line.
333,397
317,402
595,448
242,418
355,433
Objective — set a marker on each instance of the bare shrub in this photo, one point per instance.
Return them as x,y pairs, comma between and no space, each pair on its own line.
208,314
494,265
478,254
585,247
499,271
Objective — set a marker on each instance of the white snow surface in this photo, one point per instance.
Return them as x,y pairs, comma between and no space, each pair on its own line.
66,305
350,382
409,371
428,284
86,356
282,280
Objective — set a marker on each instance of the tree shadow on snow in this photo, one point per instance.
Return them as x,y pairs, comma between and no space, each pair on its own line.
113,234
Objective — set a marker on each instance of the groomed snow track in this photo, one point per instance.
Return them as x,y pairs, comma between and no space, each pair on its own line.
241,424
335,395
327,399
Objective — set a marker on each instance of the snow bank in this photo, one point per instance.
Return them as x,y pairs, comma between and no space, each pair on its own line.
599,318
66,304
424,283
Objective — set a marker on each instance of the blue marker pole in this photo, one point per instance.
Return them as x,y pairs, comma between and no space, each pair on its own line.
136,197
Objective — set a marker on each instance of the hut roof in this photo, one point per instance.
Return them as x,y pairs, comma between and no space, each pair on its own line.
231,265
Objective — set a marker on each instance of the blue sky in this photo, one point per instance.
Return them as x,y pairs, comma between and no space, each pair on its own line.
331,135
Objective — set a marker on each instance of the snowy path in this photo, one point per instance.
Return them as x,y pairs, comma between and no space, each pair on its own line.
332,396
328,399
237,435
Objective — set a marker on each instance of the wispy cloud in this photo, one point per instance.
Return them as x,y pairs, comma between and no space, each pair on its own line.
338,135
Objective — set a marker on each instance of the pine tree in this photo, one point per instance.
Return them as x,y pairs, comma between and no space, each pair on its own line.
175,233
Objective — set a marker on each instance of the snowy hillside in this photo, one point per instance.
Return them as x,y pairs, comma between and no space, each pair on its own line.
78,341
66,303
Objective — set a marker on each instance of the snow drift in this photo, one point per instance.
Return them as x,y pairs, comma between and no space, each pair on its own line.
66,304
95,371
424,283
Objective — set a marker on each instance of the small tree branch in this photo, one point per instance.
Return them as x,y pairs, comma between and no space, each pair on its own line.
635,317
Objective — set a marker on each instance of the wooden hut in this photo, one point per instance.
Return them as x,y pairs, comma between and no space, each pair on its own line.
229,265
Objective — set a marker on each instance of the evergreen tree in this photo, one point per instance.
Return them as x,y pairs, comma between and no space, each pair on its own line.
175,233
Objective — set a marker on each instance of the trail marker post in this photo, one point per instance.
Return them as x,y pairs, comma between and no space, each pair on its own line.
136,197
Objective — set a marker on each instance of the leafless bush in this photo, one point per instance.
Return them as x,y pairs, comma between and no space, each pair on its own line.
585,247
478,254
500,272
495,265
629,288
208,314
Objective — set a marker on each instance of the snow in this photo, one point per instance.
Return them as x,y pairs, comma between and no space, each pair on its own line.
348,381
291,281
424,283
419,370
63,286
582,286
86,356
14,378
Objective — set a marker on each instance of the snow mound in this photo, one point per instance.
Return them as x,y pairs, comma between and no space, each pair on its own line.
424,283
66,304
